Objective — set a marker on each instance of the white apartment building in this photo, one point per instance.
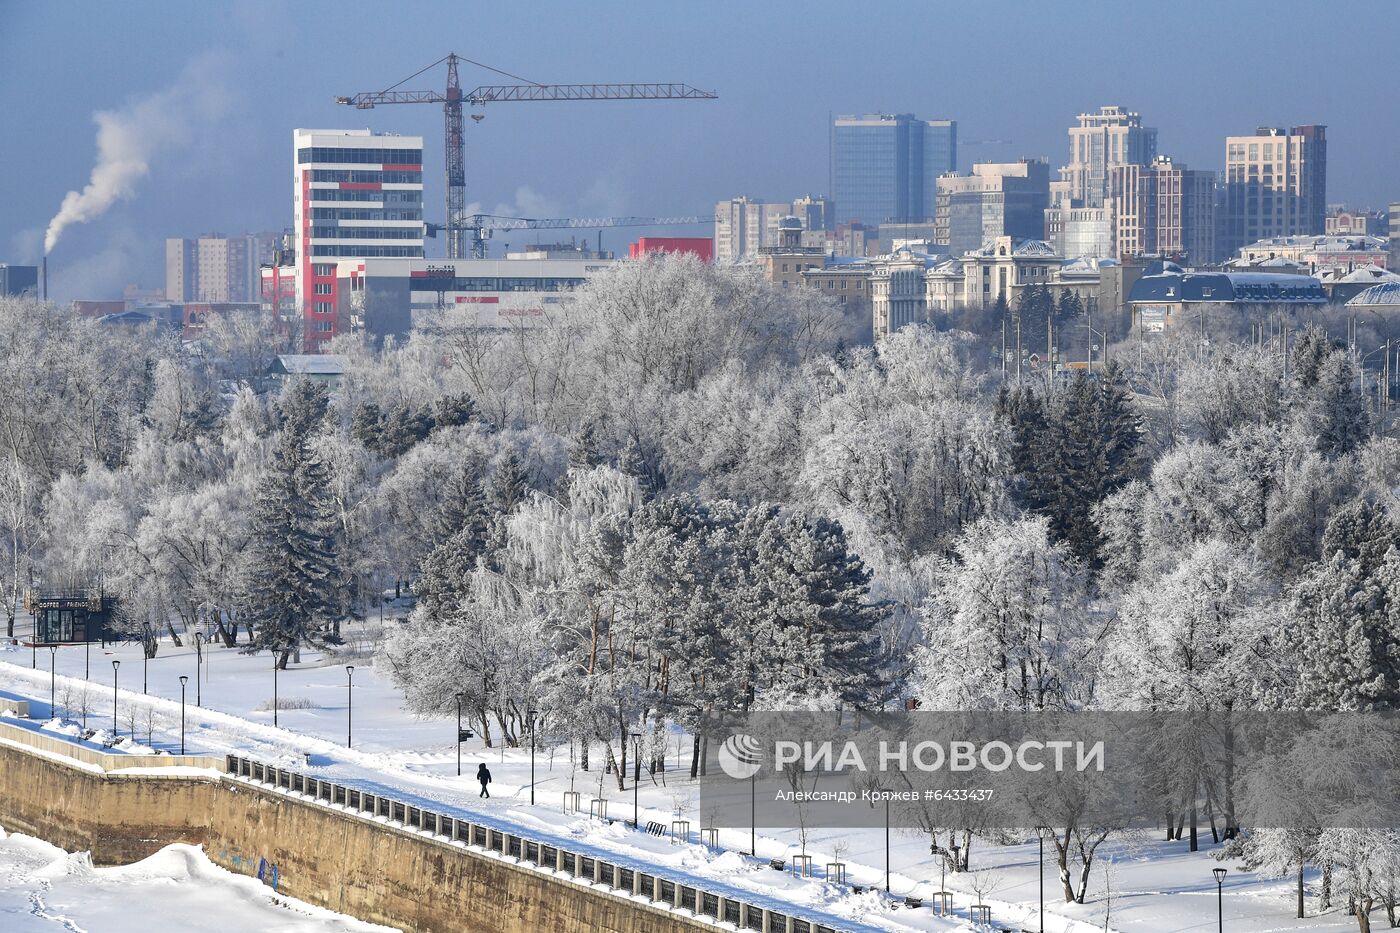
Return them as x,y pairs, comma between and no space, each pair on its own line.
356,195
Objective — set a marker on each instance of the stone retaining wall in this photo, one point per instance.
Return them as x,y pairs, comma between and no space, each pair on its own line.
324,856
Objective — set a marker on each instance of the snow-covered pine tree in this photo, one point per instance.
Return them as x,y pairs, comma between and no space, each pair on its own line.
1023,409
826,644
463,508
506,489
1342,626
1119,430
297,588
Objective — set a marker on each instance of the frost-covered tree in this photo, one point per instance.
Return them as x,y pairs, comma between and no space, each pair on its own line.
486,645
296,583
1009,626
909,440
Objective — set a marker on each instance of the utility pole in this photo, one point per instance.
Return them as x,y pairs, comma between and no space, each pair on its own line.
1018,349
1003,348
1090,344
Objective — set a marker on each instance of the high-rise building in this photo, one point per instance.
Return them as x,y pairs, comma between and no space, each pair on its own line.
885,167
215,268
1079,220
357,195
1275,184
814,212
16,280
1101,141
1395,236
745,225
996,199
1164,209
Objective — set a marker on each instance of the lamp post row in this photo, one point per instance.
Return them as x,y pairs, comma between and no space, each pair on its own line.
532,716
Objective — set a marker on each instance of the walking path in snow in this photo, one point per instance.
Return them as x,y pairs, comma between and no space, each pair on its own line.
1156,886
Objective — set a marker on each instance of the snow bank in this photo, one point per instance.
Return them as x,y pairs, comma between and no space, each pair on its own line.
43,887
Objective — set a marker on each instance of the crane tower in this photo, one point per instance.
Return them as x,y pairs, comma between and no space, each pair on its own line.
453,97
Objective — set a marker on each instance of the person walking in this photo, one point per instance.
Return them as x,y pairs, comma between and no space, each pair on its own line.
484,776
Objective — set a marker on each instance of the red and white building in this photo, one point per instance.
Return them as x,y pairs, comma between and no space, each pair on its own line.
357,195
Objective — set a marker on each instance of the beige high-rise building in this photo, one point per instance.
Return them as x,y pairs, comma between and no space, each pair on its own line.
215,268
1164,209
1101,141
1078,221
1275,184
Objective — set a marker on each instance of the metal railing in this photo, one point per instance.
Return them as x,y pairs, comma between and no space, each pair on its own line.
621,879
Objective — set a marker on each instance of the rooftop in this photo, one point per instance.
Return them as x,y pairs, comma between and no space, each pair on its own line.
1228,287
1320,243
310,364
1018,248
1387,294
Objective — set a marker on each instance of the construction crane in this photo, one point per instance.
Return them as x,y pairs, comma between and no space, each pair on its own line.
480,226
453,98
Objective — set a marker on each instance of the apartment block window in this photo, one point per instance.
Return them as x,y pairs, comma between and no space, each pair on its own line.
324,307
322,327
323,268
323,288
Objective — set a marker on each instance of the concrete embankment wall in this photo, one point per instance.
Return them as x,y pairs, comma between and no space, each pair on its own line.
325,856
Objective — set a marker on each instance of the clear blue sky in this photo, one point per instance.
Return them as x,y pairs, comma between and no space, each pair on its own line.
1005,71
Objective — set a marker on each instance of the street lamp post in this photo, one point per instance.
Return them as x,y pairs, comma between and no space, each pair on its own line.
184,679
349,700
53,681
532,714
145,656
87,660
887,845
636,776
753,814
1042,881
198,664
458,698
1220,898
115,665
274,687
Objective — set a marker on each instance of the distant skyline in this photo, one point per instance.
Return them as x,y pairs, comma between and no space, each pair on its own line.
224,85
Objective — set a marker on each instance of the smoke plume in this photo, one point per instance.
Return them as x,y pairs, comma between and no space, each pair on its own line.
128,139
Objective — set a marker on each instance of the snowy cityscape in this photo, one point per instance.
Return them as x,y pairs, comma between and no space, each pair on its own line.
864,476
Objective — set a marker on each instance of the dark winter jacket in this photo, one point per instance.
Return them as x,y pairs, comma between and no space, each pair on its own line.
482,774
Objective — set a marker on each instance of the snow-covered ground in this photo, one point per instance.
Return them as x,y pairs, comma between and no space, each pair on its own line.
1155,886
43,888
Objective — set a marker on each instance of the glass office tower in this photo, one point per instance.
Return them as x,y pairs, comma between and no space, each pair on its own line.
885,167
